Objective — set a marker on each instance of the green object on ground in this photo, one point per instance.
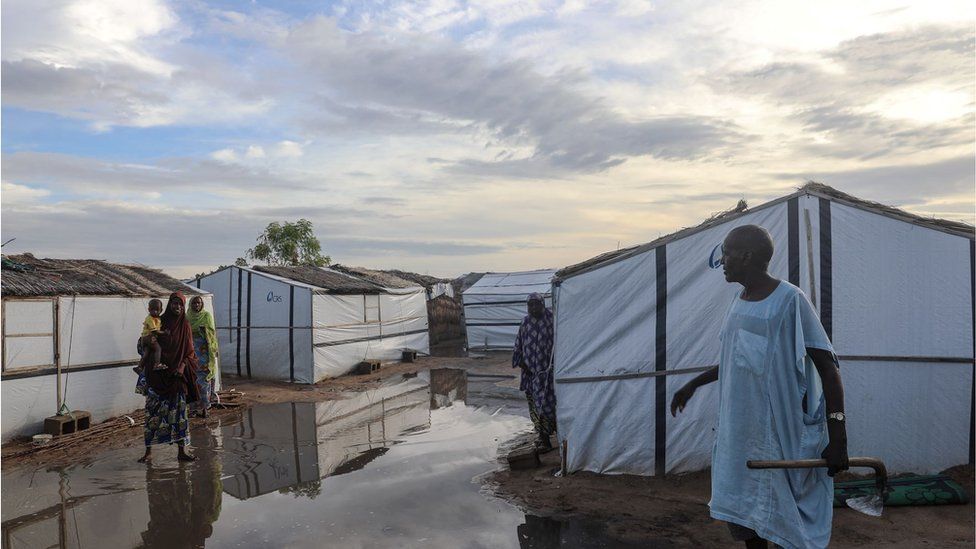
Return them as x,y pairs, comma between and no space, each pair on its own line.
908,490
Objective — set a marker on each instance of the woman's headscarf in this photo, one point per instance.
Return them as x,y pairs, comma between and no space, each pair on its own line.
177,354
202,323
536,296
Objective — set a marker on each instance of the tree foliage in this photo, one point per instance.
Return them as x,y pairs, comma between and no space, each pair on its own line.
289,244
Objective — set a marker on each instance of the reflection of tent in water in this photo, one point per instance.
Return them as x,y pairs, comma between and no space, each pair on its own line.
287,444
104,505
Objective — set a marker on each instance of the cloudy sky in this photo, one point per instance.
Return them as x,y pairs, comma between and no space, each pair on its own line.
451,136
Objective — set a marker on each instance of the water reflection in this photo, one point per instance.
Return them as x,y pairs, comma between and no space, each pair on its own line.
390,467
279,447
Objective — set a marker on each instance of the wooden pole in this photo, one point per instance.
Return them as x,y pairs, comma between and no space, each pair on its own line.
57,350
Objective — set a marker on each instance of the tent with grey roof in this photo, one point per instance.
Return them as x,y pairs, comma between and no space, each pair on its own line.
494,306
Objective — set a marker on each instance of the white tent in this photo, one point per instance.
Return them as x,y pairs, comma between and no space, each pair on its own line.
495,306
305,324
84,317
894,291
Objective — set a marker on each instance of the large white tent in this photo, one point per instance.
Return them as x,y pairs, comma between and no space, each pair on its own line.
495,306
82,317
894,291
305,324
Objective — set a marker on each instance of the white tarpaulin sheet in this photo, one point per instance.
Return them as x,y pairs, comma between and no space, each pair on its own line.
263,324
495,306
896,296
350,329
97,338
276,328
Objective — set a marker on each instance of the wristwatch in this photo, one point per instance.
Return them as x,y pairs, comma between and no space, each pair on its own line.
839,416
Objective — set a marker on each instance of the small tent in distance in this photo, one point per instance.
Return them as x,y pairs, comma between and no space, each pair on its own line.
494,306
304,324
444,314
82,316
893,290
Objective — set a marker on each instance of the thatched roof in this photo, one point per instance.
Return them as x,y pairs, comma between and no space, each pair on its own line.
329,280
27,276
811,188
944,225
380,278
426,281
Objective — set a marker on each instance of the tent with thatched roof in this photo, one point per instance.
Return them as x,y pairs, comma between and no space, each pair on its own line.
79,317
893,290
494,306
304,324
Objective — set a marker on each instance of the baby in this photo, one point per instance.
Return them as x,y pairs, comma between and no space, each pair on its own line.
148,344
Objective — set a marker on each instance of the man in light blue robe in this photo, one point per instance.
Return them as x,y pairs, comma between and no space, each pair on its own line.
780,397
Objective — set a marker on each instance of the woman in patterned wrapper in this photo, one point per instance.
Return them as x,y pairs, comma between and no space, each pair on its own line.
533,354
170,390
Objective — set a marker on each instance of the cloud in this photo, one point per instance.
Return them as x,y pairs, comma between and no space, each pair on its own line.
288,149
434,80
117,62
21,194
852,101
87,32
910,185
179,238
86,176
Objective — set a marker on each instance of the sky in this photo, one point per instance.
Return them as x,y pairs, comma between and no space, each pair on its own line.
445,136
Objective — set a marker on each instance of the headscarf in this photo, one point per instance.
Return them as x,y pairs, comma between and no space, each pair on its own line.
536,296
203,323
177,354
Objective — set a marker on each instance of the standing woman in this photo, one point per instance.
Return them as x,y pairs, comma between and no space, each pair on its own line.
205,343
169,390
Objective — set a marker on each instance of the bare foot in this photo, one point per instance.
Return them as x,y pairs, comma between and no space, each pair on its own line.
145,457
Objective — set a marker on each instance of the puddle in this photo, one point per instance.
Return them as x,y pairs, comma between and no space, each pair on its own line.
390,467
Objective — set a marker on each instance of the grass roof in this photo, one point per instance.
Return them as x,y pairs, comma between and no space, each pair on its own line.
27,276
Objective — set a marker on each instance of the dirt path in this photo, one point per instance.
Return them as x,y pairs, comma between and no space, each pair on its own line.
125,435
672,511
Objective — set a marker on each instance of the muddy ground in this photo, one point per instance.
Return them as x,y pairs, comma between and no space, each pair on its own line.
652,512
672,511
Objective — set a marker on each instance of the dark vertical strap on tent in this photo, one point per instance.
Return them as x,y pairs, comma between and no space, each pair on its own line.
247,356
793,244
198,283
291,333
972,390
826,270
660,362
240,280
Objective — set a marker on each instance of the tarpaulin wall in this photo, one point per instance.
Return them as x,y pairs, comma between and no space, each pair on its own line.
275,328
264,324
353,328
901,294
495,306
96,339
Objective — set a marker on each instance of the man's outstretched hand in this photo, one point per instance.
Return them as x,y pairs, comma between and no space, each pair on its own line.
681,399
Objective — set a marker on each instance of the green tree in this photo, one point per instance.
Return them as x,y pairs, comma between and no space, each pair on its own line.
289,244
